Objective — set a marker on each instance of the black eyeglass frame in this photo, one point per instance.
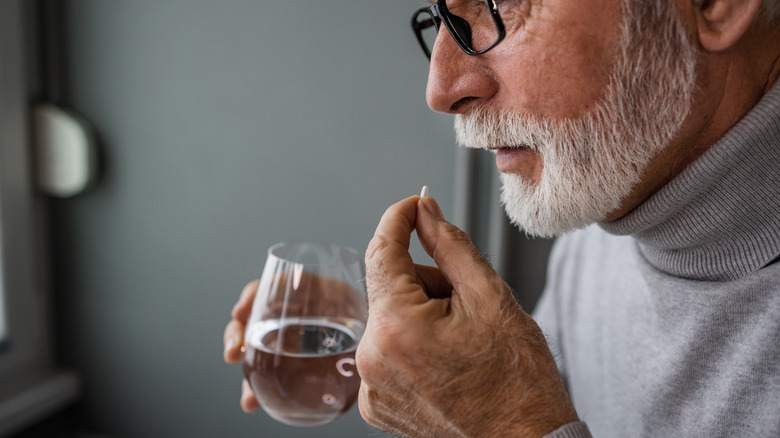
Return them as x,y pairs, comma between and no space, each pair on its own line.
439,13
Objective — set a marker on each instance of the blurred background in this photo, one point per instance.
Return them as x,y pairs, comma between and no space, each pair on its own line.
223,128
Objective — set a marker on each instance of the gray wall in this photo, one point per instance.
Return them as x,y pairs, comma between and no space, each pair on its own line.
224,126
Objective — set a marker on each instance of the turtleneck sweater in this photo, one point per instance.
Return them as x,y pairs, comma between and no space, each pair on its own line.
666,322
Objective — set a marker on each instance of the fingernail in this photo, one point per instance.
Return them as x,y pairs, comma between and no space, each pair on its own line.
424,192
432,206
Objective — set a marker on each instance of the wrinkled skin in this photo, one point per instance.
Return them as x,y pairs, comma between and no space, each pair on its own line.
440,337
437,338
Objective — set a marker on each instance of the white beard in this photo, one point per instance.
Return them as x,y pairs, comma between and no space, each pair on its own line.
592,163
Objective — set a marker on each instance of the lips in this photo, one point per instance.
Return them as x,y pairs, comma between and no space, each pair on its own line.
517,159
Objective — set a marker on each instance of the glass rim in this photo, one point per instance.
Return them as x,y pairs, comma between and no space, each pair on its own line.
327,247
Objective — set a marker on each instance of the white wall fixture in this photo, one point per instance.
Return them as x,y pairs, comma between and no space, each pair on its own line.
65,152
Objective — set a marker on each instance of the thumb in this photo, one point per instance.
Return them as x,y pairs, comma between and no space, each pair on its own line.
473,280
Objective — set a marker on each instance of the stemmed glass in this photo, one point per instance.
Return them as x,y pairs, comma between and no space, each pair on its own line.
307,319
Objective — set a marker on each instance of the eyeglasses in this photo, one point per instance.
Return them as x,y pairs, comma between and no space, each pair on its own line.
475,26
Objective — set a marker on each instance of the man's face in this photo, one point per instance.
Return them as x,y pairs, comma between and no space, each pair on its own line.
576,101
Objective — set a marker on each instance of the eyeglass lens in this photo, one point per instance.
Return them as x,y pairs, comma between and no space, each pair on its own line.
470,22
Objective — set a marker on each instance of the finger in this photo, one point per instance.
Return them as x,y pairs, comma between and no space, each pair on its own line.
461,263
233,341
249,402
433,281
233,338
243,307
390,270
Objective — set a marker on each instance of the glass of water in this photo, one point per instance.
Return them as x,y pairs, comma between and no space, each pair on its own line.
307,319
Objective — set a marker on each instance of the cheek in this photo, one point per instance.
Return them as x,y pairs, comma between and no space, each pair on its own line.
558,68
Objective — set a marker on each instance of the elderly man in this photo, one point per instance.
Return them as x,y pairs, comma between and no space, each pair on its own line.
658,120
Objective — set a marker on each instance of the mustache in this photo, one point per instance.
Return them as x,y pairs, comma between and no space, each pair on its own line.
487,128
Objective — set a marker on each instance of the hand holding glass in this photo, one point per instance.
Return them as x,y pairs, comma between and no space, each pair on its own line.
307,319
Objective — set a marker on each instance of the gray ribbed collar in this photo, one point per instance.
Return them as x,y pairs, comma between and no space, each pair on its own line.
720,218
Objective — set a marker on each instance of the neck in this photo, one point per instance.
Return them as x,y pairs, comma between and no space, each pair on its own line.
719,219
729,84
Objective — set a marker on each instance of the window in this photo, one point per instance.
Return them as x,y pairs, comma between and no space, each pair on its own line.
3,324
30,384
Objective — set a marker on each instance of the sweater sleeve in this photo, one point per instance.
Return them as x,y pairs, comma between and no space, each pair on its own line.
577,429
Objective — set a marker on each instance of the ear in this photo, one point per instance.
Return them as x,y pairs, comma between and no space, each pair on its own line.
721,23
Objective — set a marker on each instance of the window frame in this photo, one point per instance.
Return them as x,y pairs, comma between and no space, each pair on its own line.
31,386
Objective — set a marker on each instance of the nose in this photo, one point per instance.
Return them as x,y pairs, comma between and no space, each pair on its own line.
457,81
